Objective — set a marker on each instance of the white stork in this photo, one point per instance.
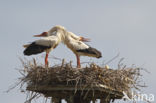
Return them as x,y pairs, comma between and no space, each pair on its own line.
79,48
76,44
54,36
50,41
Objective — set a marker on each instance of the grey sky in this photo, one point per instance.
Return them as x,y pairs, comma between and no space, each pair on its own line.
125,26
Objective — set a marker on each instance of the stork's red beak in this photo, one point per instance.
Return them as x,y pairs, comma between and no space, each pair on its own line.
84,39
44,34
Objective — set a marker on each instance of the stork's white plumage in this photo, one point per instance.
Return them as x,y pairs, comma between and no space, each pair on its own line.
54,36
77,45
79,38
50,41
80,48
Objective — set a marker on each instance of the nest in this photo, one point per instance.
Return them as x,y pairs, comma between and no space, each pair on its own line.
123,79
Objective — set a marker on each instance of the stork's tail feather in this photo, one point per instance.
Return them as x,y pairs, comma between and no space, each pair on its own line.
34,48
91,52
97,53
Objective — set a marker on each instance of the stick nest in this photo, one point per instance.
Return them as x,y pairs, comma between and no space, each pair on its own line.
121,79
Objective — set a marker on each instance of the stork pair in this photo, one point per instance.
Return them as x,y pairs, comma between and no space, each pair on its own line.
59,34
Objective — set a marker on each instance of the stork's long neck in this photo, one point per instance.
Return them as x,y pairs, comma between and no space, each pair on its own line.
65,39
61,35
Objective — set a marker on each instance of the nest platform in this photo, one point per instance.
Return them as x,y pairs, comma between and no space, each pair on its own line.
79,85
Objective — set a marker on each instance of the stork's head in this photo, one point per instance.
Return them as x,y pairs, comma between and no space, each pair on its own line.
56,30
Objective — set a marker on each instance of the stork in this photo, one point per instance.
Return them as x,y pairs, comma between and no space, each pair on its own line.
54,36
50,41
79,48
77,45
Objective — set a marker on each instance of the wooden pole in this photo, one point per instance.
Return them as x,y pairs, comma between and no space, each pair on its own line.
77,99
55,100
104,101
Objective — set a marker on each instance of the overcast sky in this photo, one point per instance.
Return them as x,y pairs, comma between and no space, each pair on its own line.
127,27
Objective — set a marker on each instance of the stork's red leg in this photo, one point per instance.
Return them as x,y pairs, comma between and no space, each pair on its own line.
78,61
46,60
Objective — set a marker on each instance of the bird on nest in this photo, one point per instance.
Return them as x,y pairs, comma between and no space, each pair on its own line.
53,37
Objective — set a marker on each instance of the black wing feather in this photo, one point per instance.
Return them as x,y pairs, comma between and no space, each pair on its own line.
92,51
34,48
